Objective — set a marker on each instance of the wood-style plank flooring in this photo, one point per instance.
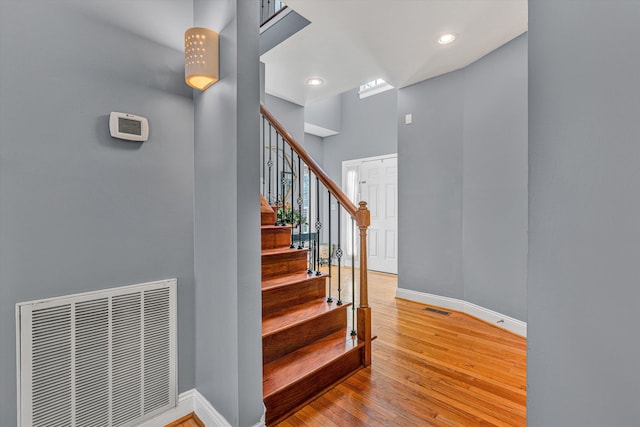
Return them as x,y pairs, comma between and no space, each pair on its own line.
190,420
427,370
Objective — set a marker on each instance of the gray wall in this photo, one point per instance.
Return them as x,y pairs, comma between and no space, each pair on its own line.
262,82
494,181
463,183
227,218
292,117
314,146
289,114
326,113
368,129
80,211
584,211
430,186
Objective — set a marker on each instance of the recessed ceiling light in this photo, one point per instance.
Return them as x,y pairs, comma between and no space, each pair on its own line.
446,38
315,81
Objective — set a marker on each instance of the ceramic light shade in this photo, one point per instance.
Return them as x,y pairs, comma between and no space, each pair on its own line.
200,57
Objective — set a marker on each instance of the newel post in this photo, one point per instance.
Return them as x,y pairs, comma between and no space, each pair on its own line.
363,220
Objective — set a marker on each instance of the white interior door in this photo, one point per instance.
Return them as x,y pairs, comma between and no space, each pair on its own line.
378,179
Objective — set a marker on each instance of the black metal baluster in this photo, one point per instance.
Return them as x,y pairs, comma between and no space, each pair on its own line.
329,299
270,164
283,181
318,225
353,278
315,232
300,200
309,231
262,164
277,179
293,222
339,256
305,235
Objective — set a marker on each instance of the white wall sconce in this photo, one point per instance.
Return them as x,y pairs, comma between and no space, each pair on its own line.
200,57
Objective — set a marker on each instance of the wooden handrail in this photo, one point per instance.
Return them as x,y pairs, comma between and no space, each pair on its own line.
315,168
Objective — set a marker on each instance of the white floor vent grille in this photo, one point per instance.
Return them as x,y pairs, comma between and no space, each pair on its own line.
98,359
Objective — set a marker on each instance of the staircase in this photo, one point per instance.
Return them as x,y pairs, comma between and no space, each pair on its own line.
311,338
307,347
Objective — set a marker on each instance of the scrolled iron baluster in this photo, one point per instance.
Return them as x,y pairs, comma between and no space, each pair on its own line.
278,179
311,248
300,200
318,225
339,256
270,164
329,299
291,246
283,185
262,155
353,278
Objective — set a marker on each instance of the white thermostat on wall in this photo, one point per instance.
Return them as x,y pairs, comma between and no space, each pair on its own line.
128,126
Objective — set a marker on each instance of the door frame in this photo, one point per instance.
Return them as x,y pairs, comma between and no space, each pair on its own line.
358,162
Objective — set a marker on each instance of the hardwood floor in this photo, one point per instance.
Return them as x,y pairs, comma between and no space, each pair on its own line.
428,370
190,420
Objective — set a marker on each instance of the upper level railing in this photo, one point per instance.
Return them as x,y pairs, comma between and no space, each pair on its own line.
304,197
269,9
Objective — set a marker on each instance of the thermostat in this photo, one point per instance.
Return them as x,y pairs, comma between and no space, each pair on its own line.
128,126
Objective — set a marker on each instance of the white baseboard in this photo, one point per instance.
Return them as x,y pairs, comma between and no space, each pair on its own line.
263,418
205,411
509,323
192,401
184,407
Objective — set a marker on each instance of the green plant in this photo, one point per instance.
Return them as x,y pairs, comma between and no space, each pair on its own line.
288,215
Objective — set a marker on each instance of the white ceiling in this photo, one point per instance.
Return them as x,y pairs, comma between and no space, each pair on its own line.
350,42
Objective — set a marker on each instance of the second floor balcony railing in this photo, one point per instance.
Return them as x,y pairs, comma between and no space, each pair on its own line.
269,9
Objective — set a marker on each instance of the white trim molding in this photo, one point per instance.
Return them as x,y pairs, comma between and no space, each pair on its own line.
509,323
318,130
192,401
206,412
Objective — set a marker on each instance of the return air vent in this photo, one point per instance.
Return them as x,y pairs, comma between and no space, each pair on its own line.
436,311
98,359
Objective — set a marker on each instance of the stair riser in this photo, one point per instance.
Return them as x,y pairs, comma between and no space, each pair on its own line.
280,265
267,214
289,340
267,218
276,238
288,400
280,298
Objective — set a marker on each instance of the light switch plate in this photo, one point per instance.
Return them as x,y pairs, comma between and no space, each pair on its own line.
408,119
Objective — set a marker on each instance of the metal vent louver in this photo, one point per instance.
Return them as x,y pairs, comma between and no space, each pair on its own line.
436,311
98,359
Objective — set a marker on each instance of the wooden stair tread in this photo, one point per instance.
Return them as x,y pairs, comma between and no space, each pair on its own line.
281,251
288,280
294,366
275,227
300,313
